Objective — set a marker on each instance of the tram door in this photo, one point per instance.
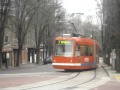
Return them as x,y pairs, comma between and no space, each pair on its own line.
96,55
77,53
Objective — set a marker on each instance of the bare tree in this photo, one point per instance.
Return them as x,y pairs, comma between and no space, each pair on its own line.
44,18
99,16
3,18
111,15
24,12
99,11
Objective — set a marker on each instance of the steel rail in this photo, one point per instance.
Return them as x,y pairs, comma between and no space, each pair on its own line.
54,82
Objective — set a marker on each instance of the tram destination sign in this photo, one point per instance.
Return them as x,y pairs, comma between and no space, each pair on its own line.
64,42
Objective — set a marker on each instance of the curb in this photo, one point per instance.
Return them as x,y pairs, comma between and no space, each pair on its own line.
112,73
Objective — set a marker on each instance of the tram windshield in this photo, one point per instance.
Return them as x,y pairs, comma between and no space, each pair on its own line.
64,48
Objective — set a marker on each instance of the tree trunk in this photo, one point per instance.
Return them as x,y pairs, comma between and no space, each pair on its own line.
38,60
19,53
0,58
108,59
118,60
1,46
1,43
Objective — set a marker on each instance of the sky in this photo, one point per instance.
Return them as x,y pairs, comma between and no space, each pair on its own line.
88,7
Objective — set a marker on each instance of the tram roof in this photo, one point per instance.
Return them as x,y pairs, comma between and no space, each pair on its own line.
77,39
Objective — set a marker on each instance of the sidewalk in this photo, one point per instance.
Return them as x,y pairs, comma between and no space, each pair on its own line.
113,83
112,73
27,65
18,76
23,68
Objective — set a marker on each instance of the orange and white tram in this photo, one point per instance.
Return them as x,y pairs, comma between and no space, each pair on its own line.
73,53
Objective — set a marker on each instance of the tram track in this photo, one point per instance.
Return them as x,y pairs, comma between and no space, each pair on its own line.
71,79
74,86
93,78
54,82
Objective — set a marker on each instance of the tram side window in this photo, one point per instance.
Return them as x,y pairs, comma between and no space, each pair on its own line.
82,50
77,50
86,50
90,51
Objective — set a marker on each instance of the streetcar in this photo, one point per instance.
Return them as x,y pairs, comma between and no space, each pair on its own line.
75,53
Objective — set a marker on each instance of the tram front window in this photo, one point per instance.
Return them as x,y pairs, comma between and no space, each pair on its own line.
64,48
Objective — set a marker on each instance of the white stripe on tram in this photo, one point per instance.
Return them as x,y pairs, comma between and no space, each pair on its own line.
67,64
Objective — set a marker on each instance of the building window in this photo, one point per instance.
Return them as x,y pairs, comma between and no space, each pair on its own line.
5,1
6,38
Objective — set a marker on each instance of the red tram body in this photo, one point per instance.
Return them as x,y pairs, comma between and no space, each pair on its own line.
73,53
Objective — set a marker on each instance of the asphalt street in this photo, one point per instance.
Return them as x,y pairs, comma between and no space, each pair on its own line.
32,77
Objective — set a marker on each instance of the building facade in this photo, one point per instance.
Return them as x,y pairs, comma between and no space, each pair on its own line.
11,43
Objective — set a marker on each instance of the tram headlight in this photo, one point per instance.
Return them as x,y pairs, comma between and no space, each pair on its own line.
71,61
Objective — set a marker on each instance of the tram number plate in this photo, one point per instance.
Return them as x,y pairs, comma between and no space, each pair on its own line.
86,59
